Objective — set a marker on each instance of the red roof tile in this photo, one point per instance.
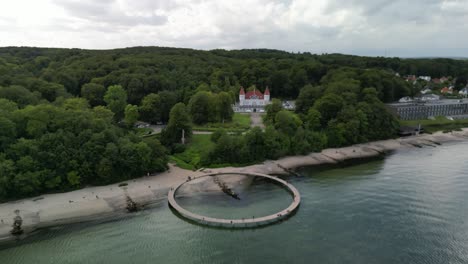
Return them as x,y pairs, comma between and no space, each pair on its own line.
250,94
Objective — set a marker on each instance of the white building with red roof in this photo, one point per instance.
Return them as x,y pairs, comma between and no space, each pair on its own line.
254,99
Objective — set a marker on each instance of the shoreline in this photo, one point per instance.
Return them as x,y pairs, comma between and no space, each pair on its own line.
91,203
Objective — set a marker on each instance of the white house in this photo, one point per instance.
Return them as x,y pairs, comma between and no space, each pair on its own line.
463,91
426,78
426,91
405,99
254,98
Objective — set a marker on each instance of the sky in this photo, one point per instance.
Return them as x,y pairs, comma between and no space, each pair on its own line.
397,28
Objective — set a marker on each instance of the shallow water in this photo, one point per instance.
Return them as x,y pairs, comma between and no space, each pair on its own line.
408,208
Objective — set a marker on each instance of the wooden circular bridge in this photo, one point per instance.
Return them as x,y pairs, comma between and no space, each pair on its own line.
237,223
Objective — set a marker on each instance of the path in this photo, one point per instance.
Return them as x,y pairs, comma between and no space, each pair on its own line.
256,120
158,128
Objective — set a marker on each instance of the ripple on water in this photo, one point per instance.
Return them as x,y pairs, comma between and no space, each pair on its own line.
409,208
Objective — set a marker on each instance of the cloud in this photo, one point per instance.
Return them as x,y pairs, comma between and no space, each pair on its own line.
110,12
363,27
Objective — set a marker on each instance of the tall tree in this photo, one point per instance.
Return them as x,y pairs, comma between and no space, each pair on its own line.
150,108
131,115
179,122
224,106
307,97
202,108
272,109
329,106
168,100
94,93
116,100
287,122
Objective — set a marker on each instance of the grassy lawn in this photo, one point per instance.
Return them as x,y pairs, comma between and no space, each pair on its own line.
439,124
190,158
239,123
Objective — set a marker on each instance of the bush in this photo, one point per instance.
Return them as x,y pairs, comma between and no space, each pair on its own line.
179,148
217,134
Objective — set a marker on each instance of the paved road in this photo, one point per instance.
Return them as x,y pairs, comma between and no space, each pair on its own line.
157,129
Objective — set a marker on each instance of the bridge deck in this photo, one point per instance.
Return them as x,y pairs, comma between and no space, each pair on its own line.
245,222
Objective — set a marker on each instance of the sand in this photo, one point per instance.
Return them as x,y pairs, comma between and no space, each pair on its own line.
105,201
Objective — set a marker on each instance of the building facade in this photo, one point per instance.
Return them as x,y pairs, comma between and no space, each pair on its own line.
252,101
413,111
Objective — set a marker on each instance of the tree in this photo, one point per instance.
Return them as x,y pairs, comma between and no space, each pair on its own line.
136,89
150,108
287,122
179,121
307,97
131,115
116,100
312,120
277,144
94,93
298,79
329,106
335,133
7,132
280,83
217,134
51,91
224,106
255,143
272,109
158,158
202,108
168,100
19,95
7,107
228,149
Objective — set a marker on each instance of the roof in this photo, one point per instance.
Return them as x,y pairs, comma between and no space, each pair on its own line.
251,94
445,90
242,92
267,91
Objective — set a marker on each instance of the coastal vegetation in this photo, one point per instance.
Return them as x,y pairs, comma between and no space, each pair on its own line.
66,145
67,115
191,157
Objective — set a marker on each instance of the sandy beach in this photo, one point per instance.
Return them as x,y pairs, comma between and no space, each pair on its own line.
105,201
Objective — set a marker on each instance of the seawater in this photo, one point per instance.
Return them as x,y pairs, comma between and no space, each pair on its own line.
410,207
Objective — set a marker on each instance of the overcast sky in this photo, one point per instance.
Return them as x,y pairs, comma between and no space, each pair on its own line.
406,28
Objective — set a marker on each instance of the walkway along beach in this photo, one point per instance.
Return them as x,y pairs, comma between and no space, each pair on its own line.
106,201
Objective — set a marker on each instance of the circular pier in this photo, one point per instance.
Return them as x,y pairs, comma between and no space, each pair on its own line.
237,223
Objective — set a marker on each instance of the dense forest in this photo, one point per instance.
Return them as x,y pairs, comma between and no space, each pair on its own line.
67,115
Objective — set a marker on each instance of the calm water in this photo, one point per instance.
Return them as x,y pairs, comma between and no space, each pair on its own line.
409,208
